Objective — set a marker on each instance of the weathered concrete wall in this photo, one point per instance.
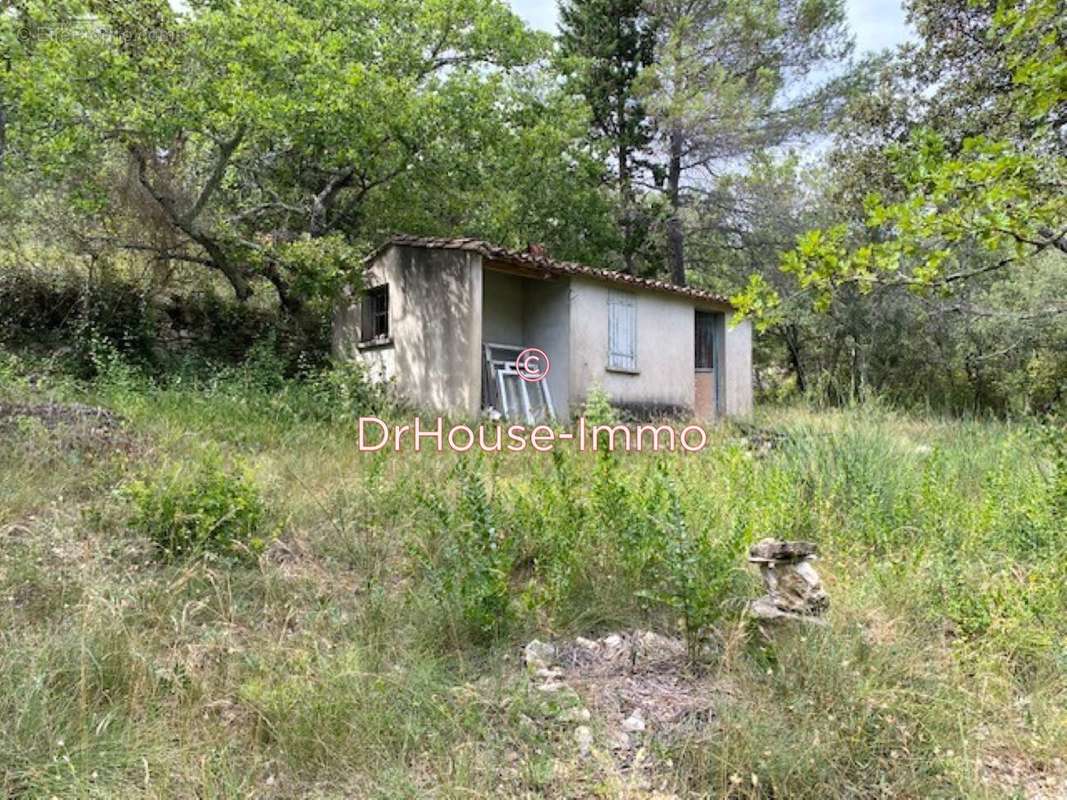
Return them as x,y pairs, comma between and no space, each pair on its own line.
435,324
737,370
527,312
547,325
379,361
502,308
664,376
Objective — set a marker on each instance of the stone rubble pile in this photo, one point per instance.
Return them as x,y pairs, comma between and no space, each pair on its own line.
794,590
633,683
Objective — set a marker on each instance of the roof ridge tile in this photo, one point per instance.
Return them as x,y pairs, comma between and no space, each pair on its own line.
500,253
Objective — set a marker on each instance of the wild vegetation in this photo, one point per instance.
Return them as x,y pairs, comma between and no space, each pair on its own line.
213,593
372,648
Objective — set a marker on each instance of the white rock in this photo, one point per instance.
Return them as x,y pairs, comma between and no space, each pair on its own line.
621,741
613,642
584,738
539,655
550,687
576,714
587,644
763,608
635,723
652,642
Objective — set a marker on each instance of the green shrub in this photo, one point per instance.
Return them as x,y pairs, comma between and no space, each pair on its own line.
1056,437
342,392
470,561
688,570
204,510
598,409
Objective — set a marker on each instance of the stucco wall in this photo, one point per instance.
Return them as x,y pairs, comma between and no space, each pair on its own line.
502,308
435,320
547,325
664,377
379,361
737,369
527,312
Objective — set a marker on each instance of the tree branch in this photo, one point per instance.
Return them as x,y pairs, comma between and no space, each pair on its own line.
218,257
324,199
226,150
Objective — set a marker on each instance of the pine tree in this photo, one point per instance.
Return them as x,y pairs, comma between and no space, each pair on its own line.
605,45
732,78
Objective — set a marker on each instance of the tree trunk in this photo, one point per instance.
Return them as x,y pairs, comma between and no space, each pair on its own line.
675,236
792,342
627,211
186,223
625,188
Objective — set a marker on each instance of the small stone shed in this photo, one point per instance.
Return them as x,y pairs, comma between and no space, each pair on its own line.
443,319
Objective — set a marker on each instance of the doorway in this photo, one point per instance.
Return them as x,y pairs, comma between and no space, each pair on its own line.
706,365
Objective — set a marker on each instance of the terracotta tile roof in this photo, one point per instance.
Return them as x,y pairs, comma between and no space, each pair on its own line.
547,265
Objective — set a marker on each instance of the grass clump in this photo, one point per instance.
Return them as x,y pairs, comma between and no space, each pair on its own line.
201,509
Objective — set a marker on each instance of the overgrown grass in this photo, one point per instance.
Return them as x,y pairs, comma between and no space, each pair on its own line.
373,651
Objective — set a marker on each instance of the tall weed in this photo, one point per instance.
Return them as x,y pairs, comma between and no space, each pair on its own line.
202,510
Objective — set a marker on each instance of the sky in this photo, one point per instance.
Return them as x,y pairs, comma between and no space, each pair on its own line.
877,23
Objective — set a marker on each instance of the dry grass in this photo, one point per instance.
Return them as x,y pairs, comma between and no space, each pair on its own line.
336,668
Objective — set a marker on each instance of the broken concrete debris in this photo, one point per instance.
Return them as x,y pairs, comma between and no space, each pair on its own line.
794,590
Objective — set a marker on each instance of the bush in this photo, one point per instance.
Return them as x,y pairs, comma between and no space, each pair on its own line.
690,571
70,315
203,511
342,392
470,563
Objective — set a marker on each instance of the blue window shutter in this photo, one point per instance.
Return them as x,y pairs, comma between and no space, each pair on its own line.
622,331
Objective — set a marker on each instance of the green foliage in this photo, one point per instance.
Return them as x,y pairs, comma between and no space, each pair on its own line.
1004,611
272,142
731,80
604,46
598,409
925,261
997,190
1040,70
342,392
472,560
990,193
693,573
321,266
1055,435
73,316
200,510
